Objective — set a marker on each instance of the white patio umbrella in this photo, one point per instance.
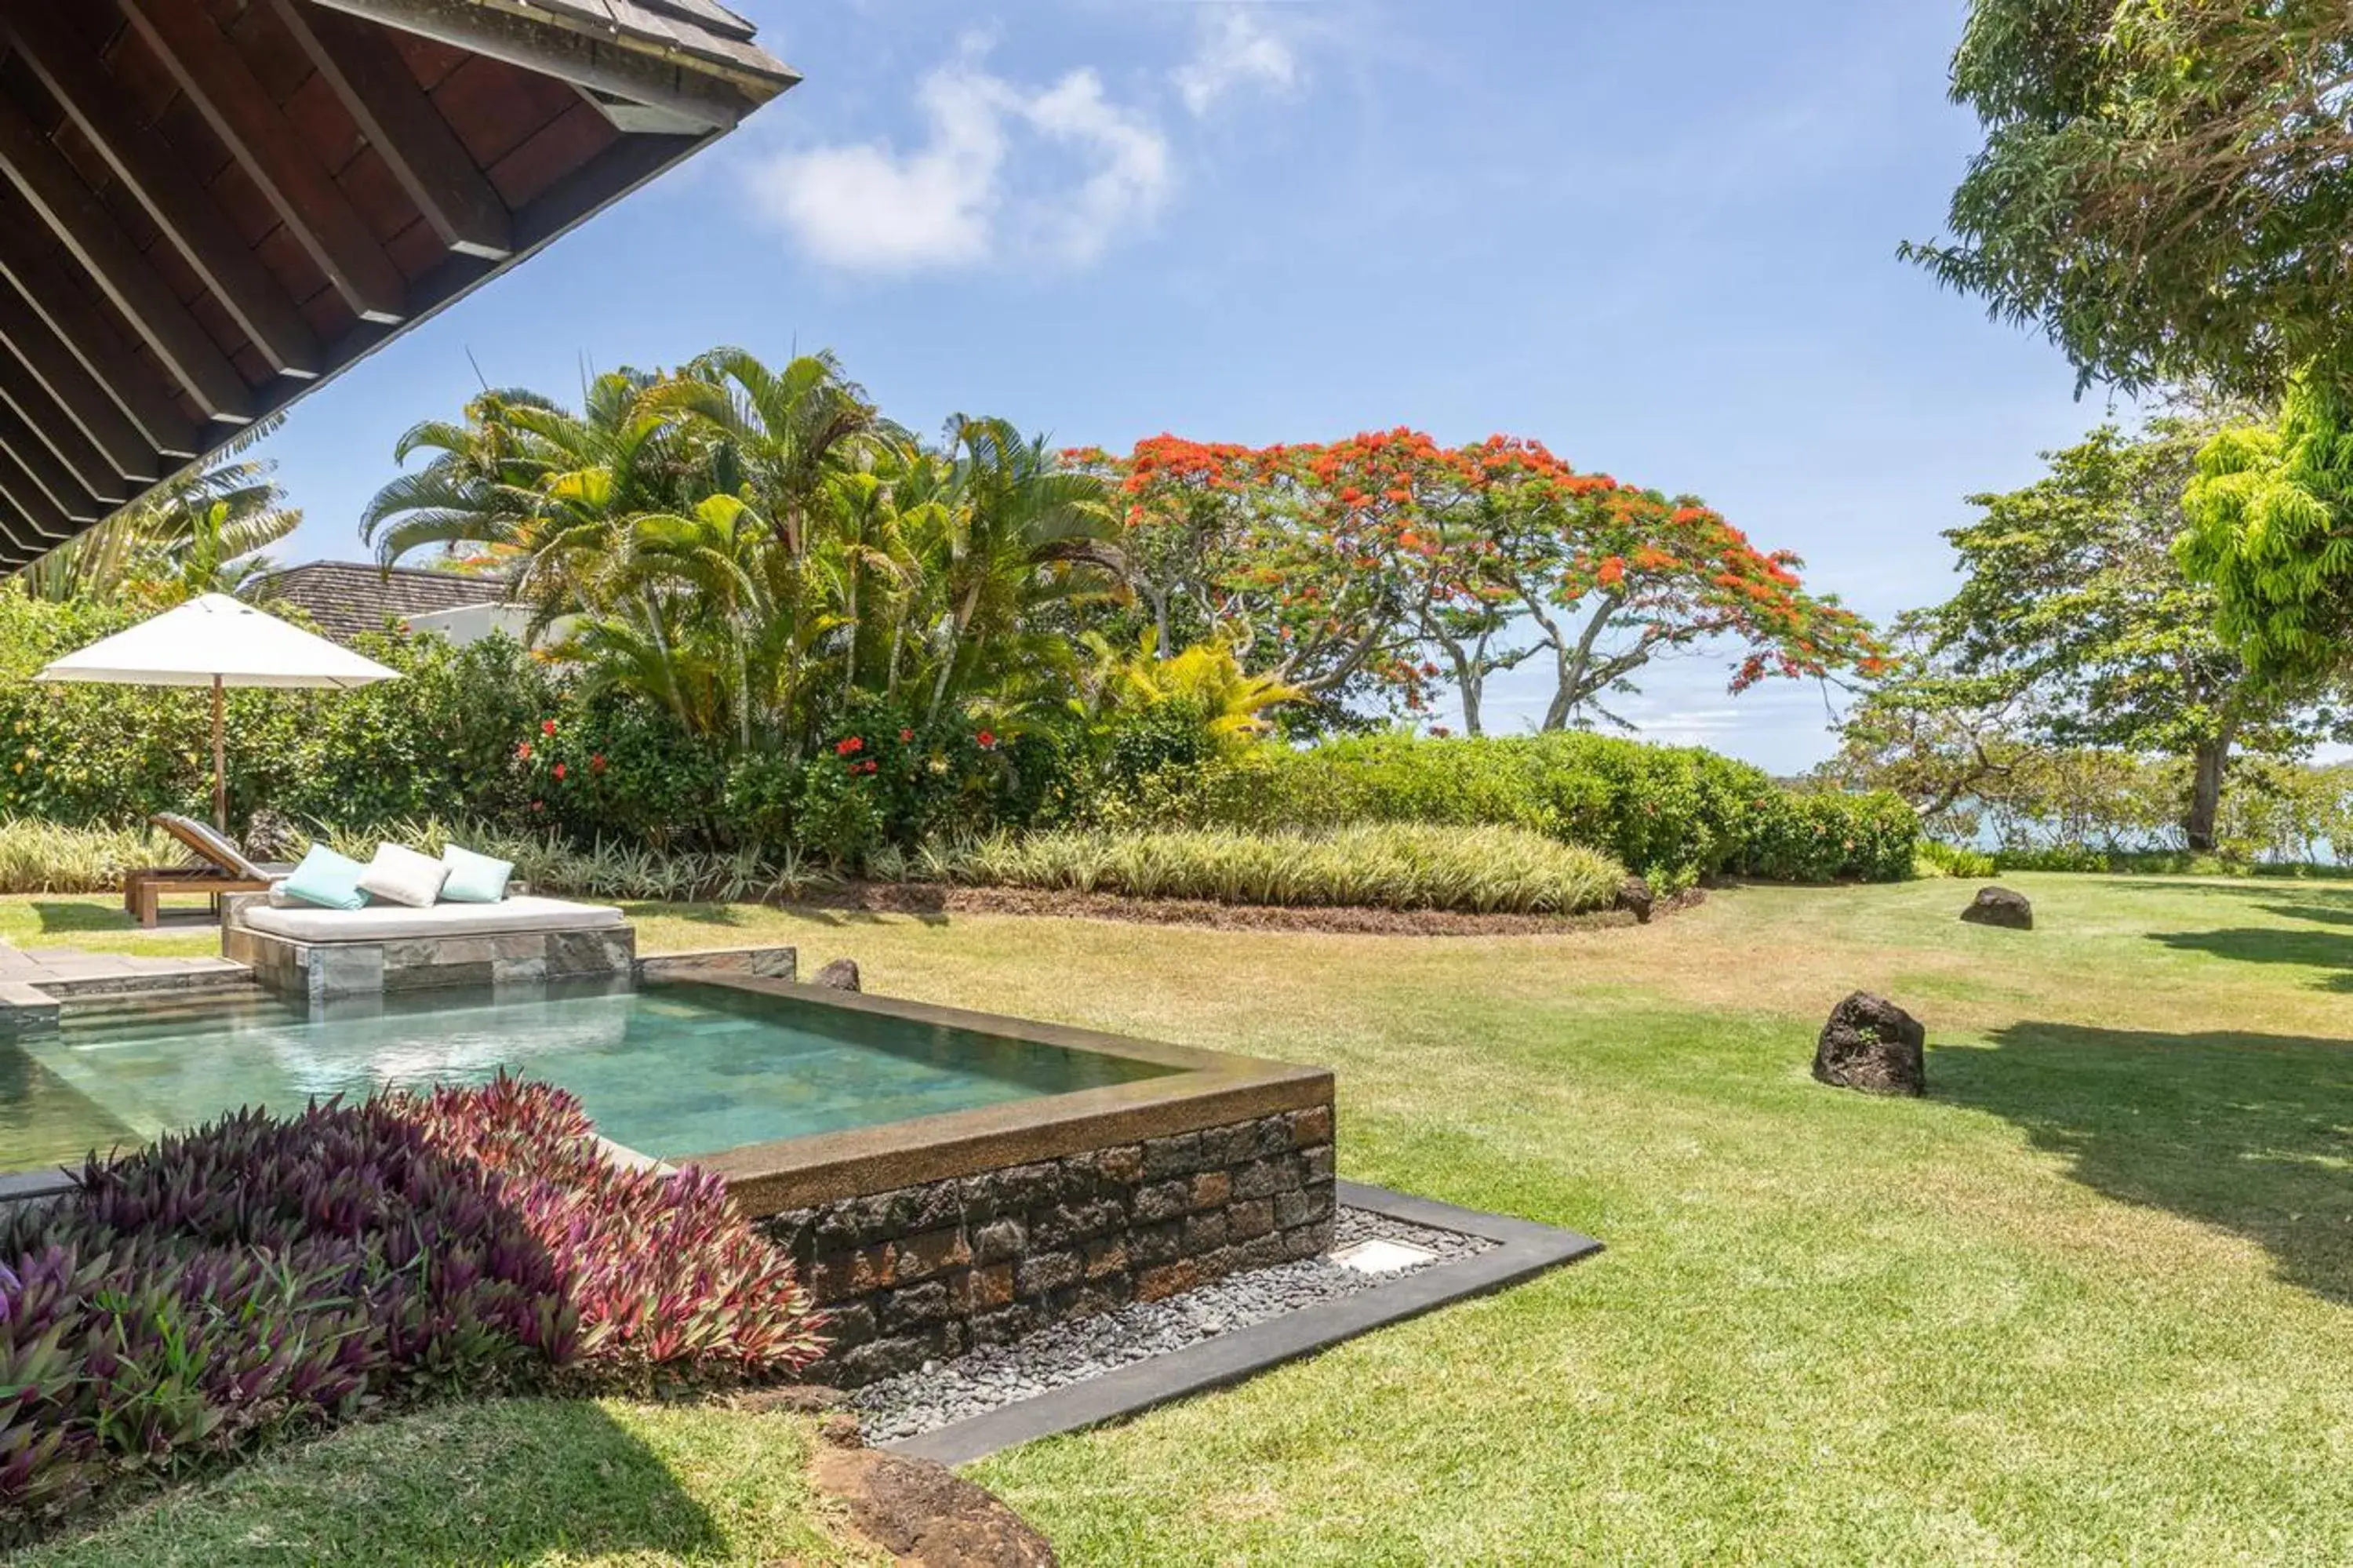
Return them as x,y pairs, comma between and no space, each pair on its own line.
217,641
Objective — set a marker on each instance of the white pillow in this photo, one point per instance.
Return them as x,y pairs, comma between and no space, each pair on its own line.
399,875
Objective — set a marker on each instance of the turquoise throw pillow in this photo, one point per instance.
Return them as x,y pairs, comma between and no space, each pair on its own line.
329,880
474,878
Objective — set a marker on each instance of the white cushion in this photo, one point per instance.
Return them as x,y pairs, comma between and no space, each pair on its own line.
400,875
395,922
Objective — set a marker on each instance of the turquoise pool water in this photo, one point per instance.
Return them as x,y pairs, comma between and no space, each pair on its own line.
672,1071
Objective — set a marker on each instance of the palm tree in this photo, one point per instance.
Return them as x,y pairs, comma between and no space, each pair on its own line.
480,490
198,532
1022,533
754,547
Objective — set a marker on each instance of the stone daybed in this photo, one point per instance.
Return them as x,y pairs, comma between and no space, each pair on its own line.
323,953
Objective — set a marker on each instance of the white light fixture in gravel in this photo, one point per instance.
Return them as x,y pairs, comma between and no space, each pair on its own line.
1381,1255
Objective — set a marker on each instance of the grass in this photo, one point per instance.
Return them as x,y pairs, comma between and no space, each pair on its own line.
555,1483
2091,1299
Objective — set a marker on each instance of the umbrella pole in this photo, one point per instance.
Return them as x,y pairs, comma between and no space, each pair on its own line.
220,763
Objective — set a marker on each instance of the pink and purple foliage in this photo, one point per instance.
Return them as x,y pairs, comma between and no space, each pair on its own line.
265,1273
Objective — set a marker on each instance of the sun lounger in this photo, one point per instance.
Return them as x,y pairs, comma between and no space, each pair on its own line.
221,867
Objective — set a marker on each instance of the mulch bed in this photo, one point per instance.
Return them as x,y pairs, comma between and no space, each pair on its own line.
932,898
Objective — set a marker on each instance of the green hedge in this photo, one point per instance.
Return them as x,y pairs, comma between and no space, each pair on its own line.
1673,813
439,740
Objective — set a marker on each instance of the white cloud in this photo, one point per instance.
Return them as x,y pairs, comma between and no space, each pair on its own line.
976,188
1235,52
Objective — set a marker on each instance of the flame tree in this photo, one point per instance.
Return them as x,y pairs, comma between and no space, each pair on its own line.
1386,567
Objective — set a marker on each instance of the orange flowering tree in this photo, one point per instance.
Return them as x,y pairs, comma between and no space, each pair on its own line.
1388,566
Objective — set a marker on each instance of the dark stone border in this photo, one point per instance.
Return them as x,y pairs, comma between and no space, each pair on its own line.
31,1184
1524,1249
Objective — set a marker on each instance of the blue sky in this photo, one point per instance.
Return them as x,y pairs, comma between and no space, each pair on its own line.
1658,238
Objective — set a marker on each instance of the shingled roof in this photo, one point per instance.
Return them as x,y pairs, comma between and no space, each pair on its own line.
347,598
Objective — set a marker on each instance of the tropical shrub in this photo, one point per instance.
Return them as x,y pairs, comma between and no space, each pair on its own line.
1800,836
1389,865
44,857
440,739
1672,813
264,1275
1933,858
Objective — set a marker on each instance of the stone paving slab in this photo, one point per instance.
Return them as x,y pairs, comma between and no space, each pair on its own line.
55,974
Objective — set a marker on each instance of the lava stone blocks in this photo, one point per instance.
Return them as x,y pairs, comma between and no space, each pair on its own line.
925,1273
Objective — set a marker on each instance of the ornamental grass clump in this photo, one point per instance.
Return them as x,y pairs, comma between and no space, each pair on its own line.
1394,866
264,1275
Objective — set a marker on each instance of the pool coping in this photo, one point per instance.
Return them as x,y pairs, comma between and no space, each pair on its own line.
1207,1088
1524,1250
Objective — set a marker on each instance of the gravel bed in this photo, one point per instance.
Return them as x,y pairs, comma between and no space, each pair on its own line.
1073,1351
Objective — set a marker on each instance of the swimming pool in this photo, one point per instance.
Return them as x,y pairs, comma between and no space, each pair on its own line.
942,1179
672,1071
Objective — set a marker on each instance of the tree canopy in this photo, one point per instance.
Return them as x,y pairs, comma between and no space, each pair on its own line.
2076,628
2270,510
2164,185
1389,567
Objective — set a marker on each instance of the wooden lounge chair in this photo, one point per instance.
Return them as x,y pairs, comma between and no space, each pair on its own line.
221,867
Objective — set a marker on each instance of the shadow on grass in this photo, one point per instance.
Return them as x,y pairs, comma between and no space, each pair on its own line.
60,915
2330,950
499,1481
2252,1133
695,914
2318,914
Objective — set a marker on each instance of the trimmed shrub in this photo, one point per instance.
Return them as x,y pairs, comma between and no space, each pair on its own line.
1390,865
265,1274
1673,813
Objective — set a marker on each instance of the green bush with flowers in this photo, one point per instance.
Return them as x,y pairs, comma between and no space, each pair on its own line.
490,734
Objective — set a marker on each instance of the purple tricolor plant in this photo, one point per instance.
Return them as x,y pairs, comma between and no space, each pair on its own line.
265,1273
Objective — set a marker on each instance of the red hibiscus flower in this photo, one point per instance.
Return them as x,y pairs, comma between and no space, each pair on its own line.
523,752
986,740
559,771
849,745
547,726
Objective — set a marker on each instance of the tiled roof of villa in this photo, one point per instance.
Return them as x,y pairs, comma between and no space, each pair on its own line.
347,598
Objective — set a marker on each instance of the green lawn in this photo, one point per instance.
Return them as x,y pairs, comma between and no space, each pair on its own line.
554,1483
2089,1301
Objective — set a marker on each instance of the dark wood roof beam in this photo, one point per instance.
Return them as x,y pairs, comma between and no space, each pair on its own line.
34,524
375,85
503,30
90,468
49,364
221,86
73,212
17,439
148,168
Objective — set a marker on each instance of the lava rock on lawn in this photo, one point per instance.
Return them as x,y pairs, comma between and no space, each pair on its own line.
841,974
925,1514
2000,907
1634,895
1871,1044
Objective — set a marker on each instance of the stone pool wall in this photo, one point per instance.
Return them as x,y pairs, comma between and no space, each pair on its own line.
928,1272
322,971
